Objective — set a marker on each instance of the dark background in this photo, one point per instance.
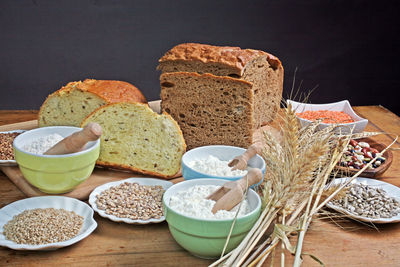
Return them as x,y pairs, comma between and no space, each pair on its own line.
350,49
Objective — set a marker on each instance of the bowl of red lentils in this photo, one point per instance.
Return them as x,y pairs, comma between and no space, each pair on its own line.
339,114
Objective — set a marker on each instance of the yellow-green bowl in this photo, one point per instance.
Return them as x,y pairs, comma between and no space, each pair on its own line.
55,174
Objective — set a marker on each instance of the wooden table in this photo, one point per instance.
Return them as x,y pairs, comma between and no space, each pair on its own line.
113,244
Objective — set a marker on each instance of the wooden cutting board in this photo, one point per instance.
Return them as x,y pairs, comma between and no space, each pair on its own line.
98,177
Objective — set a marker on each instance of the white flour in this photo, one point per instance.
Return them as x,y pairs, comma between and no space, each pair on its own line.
193,202
42,144
214,166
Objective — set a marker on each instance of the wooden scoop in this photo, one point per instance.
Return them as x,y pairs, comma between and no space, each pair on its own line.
76,141
240,162
231,193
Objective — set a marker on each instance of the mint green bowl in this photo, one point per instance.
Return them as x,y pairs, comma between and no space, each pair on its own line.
55,174
205,238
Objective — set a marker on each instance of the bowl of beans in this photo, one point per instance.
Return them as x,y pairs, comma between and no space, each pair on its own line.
359,153
339,114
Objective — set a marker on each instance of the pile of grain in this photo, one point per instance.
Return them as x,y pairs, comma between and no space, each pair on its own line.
43,226
132,201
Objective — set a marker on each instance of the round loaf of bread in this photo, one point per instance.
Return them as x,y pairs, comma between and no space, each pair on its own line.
137,138
73,102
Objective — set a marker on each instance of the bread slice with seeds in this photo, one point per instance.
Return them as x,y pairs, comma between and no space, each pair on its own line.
215,110
73,102
138,139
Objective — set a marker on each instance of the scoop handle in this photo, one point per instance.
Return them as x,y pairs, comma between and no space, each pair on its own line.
240,162
76,141
254,175
231,198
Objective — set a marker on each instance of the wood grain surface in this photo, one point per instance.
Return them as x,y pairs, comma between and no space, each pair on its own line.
345,243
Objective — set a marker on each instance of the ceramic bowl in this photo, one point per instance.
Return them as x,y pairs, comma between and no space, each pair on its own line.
10,162
56,202
357,126
205,238
55,174
225,153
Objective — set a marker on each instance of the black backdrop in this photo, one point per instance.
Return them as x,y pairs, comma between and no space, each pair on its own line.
349,48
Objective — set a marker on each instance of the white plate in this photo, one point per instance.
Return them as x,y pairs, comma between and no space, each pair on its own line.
356,127
391,190
141,181
11,162
57,202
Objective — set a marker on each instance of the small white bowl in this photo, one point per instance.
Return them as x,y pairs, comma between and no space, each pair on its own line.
10,162
357,126
57,202
225,153
142,181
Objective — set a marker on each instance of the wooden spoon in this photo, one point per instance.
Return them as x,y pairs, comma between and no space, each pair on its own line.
76,141
240,162
231,193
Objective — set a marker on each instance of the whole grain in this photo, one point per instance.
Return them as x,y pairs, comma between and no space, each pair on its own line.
132,201
43,226
6,142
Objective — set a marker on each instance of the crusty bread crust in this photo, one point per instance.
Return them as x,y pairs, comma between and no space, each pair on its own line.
232,57
109,90
113,91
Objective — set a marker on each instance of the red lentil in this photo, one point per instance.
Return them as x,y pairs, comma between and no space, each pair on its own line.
327,116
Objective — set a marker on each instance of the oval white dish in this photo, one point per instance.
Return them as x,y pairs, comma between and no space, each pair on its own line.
10,162
141,181
357,126
391,190
57,202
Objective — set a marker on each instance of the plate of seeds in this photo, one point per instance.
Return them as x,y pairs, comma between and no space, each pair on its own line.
368,200
133,200
6,147
45,223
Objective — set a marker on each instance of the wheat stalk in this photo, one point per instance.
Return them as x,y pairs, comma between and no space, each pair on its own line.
299,165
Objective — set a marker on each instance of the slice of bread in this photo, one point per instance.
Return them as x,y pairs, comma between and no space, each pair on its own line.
73,102
138,139
210,109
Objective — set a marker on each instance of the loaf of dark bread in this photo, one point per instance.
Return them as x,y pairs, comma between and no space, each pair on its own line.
220,95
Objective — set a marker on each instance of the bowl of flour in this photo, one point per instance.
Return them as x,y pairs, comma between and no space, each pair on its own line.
196,228
53,174
212,162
